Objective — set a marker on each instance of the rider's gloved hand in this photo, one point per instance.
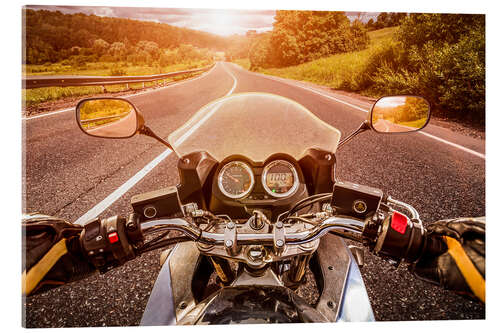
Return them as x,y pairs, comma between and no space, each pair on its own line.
52,254
461,267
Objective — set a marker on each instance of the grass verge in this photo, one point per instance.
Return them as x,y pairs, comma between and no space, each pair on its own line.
336,70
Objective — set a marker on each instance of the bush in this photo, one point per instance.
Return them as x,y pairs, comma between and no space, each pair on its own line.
440,57
106,58
384,58
118,71
78,62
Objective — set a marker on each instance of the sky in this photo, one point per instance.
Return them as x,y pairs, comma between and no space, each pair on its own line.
223,22
391,102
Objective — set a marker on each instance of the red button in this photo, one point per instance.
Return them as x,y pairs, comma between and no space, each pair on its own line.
113,237
399,222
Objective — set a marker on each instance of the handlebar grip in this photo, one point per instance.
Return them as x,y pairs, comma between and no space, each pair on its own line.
399,238
434,246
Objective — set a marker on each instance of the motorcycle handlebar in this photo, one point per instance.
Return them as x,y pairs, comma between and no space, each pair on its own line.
112,241
211,238
407,241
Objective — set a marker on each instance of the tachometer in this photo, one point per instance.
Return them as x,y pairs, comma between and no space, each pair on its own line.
236,180
280,178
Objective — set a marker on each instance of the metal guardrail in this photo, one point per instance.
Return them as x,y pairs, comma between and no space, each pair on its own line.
85,121
75,81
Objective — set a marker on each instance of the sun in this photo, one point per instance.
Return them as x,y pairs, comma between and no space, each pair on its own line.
221,21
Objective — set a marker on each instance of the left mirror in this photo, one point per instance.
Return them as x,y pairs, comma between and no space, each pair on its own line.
107,117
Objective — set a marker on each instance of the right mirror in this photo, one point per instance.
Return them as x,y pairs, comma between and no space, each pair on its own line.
400,114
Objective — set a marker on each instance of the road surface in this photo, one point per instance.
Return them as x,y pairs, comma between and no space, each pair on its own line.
117,128
75,176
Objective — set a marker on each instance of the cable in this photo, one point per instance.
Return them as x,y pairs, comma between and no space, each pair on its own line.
169,241
159,237
345,235
289,212
311,201
301,219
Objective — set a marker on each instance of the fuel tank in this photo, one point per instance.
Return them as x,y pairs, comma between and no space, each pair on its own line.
254,305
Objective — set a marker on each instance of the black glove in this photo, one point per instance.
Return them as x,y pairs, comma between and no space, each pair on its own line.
51,253
461,267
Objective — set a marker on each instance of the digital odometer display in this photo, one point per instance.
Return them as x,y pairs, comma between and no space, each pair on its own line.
280,178
236,180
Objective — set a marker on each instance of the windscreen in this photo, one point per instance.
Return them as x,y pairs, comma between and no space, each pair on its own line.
256,125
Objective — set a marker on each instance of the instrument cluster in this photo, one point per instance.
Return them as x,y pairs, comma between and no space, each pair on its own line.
277,178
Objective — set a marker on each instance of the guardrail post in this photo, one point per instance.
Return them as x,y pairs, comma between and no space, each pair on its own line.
103,89
143,85
128,87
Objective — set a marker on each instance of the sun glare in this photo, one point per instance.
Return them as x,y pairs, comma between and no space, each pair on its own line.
220,21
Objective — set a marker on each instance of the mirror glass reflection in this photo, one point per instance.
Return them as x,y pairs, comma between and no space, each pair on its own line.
399,114
109,118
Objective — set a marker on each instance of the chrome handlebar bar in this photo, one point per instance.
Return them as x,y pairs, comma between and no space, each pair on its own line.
293,238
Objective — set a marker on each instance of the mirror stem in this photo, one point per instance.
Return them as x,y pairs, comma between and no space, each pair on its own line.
147,131
363,127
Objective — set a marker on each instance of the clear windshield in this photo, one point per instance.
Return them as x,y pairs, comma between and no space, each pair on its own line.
256,125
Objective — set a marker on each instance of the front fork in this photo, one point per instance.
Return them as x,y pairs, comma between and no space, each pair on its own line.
291,278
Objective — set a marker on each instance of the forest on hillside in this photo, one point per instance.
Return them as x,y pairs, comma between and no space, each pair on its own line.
51,36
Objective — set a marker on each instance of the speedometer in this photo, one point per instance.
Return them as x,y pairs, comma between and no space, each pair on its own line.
280,178
236,180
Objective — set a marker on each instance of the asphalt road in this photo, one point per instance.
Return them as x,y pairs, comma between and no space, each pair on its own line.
67,173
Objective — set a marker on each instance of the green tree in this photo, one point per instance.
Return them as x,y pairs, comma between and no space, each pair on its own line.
260,52
300,36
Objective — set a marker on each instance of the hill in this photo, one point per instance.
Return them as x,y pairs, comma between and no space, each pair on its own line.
51,36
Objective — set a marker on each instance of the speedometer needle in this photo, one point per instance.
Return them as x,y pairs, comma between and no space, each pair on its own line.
234,178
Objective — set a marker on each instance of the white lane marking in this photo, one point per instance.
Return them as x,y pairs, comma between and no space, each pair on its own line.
234,78
467,150
101,206
126,96
470,151
110,199
48,114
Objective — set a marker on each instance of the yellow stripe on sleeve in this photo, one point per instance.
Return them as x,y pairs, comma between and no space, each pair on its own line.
31,279
472,276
